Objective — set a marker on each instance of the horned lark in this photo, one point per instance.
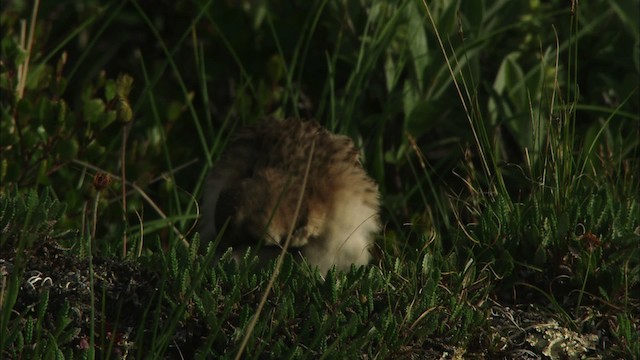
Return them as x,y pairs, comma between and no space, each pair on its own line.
257,183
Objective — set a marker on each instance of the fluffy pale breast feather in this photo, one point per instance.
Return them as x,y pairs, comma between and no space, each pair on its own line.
257,182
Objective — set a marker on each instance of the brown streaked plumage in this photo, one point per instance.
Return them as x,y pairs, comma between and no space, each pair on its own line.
257,181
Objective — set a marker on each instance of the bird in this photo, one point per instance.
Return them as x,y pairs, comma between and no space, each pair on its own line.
256,185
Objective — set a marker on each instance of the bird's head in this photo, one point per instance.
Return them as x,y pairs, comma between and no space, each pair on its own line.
262,207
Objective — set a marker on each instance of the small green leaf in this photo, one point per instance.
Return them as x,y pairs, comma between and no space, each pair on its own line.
92,110
123,85
423,116
540,257
12,50
30,138
95,151
61,116
110,90
43,304
28,331
43,177
418,42
67,149
124,112
107,119
275,68
174,109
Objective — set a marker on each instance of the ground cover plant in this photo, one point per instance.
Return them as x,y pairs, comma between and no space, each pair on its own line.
504,137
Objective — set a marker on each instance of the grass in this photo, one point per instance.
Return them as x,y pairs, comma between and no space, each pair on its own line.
506,153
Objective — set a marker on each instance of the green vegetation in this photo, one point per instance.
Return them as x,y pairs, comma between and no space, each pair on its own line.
505,137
